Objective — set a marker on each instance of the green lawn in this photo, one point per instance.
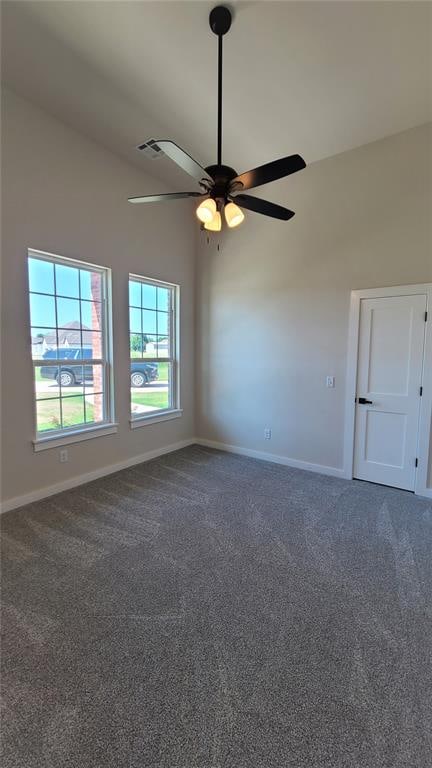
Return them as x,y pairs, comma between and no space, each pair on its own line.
163,371
48,413
153,399
48,405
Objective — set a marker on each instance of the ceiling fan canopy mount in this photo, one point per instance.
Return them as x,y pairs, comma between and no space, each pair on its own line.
220,20
219,182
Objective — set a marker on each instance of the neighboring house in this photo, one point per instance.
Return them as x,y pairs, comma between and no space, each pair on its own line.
69,336
157,346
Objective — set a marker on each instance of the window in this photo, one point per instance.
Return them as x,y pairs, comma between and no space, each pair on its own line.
153,361
69,344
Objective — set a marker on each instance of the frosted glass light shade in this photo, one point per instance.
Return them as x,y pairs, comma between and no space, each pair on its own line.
215,225
233,215
206,210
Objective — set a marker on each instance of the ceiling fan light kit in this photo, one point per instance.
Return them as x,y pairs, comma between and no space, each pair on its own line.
206,210
233,215
215,225
220,185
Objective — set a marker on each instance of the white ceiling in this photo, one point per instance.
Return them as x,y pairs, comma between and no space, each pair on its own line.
316,78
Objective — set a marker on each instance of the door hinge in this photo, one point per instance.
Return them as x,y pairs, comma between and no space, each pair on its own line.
426,316
416,462
421,391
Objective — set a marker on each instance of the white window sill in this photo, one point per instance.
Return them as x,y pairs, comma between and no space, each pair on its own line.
152,418
77,436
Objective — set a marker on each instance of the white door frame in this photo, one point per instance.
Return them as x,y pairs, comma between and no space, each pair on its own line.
421,487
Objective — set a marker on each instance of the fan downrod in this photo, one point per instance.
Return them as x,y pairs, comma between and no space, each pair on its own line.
220,182
220,20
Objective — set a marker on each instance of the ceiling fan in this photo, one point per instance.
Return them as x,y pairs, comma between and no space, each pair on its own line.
220,185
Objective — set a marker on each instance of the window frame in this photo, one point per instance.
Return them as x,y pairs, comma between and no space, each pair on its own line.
77,432
174,410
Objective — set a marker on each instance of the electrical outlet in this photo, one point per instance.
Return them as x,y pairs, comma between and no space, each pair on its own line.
267,433
330,382
63,455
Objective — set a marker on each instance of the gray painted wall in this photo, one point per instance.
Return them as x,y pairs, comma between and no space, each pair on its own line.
64,194
274,300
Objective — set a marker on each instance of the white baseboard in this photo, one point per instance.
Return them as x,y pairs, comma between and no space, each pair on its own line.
73,482
65,485
287,462
425,493
321,469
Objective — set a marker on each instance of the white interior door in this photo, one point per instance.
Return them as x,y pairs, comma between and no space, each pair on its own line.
389,374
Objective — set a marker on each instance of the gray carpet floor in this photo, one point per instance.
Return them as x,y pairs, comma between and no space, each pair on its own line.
206,610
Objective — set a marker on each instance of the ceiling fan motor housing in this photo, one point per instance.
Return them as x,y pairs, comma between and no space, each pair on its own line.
222,175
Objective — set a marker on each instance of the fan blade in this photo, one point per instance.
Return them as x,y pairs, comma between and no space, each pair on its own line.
169,196
269,172
185,161
263,206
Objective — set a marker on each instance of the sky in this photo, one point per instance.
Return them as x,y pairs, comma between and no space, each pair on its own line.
61,294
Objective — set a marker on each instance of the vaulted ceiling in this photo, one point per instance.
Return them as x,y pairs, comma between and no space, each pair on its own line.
316,78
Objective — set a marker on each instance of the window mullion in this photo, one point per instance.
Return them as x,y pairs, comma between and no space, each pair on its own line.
55,362
82,348
151,359
173,348
57,343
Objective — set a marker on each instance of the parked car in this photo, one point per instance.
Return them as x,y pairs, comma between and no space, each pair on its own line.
140,373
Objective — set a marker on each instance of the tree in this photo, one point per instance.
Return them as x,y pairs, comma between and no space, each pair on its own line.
135,342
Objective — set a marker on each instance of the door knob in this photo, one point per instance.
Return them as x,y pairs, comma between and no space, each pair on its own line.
363,401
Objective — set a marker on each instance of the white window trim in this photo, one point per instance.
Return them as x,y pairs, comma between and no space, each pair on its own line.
175,411
75,436
152,418
57,438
